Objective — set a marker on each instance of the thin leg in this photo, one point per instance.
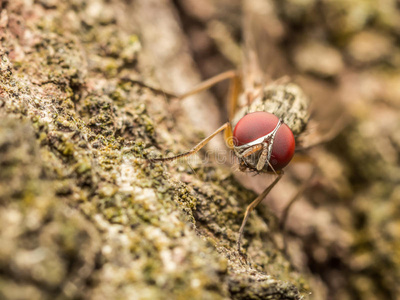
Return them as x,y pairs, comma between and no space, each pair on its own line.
231,74
339,125
282,80
153,89
252,205
283,221
228,137
250,151
235,89
196,148
209,83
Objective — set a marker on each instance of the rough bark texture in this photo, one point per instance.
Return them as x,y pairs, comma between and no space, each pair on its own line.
82,215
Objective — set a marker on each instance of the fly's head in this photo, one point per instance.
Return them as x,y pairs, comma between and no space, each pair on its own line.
263,143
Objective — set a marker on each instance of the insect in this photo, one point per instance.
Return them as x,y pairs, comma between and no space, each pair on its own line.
263,135
265,120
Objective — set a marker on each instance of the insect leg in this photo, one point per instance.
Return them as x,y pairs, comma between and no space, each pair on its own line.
285,213
153,89
196,148
209,83
253,204
250,151
312,141
234,91
231,74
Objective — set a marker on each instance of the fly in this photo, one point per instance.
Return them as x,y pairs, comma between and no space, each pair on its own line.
263,135
265,120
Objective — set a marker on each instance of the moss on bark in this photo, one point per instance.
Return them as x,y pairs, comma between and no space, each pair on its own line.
83,215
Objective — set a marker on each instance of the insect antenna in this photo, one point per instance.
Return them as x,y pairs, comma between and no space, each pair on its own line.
272,168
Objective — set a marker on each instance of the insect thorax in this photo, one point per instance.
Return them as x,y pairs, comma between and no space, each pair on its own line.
286,101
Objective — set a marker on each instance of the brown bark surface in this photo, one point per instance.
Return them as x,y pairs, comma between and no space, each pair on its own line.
84,216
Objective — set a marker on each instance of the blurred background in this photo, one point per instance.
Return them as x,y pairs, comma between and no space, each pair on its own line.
345,229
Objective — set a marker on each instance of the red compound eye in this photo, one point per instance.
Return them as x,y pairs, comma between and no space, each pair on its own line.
255,125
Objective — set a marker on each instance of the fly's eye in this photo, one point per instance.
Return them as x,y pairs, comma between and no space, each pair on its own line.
258,124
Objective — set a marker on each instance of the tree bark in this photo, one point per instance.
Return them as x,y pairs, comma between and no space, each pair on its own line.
85,98
83,214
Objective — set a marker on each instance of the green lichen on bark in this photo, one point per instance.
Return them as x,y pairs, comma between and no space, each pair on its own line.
83,215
